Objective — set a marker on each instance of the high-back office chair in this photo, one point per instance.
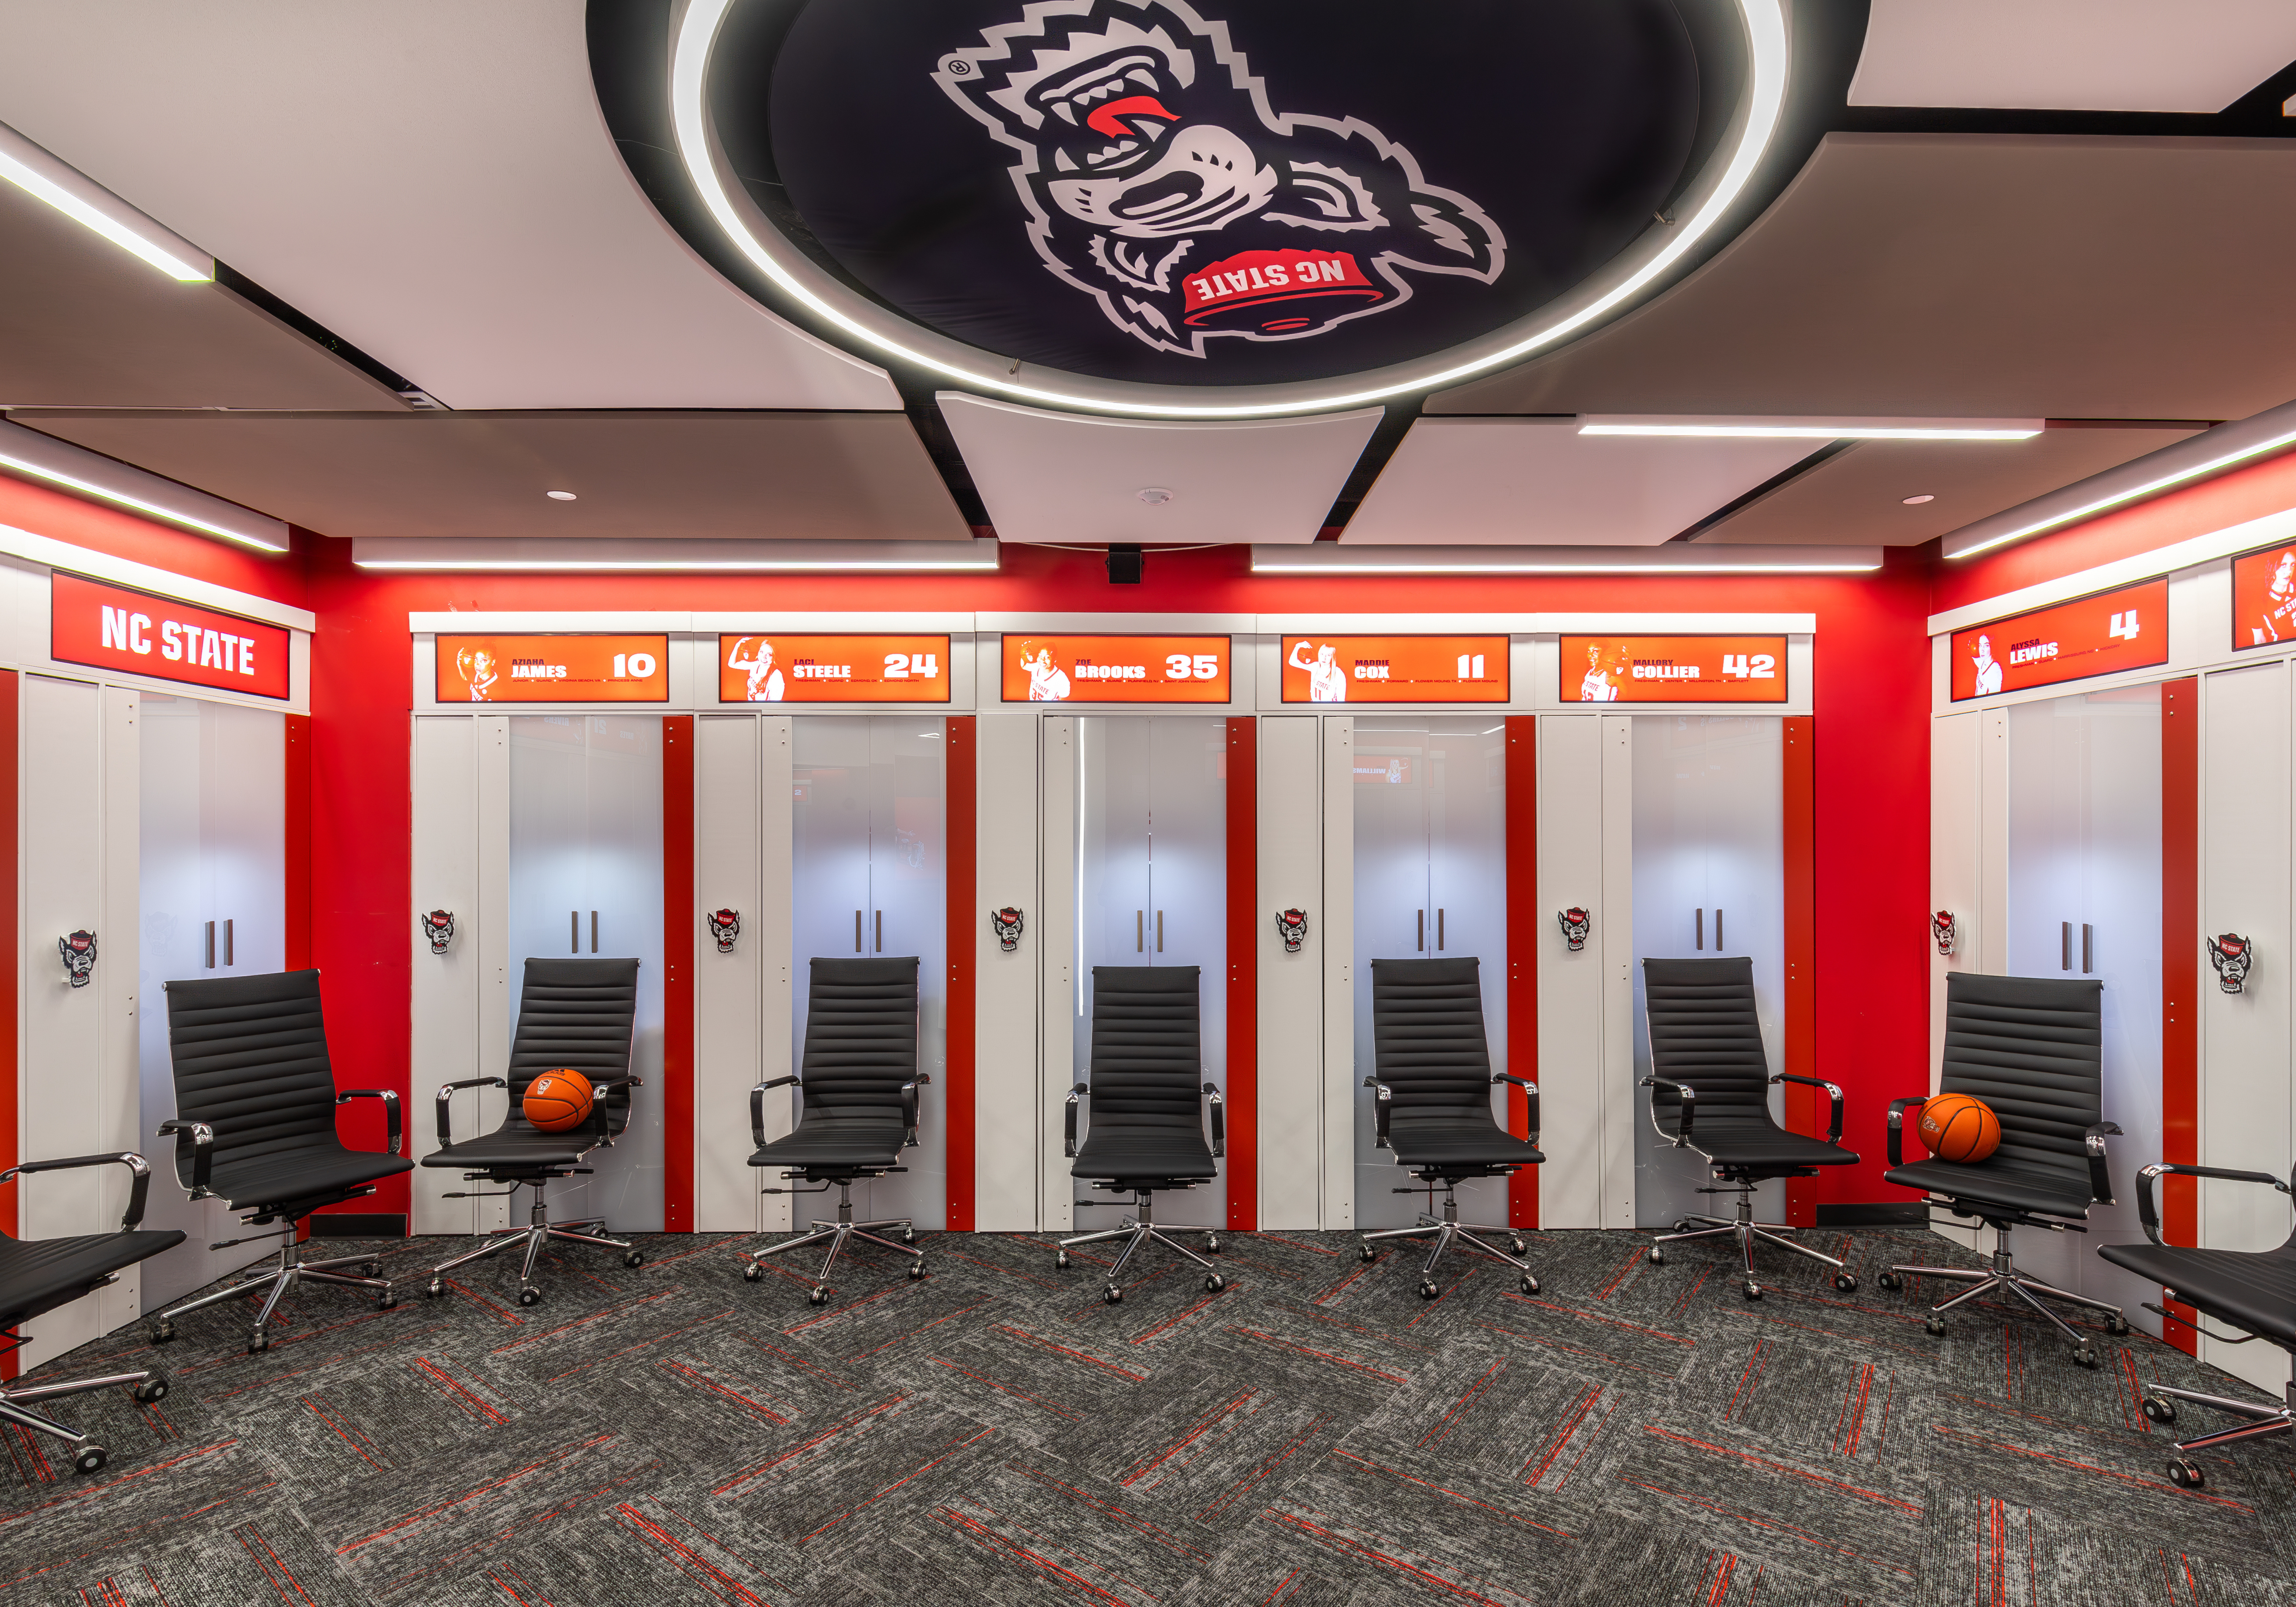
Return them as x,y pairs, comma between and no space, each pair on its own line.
2255,1290
573,1015
2031,1047
859,1081
38,1276
1431,1096
255,1127
1146,1135
1709,1087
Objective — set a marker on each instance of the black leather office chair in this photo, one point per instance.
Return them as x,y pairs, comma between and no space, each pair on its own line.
1146,1135
1431,1098
2033,1048
255,1127
1709,1086
573,1015
38,1276
2254,1290
860,1082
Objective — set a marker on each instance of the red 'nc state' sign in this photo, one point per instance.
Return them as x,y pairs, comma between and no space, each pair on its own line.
111,627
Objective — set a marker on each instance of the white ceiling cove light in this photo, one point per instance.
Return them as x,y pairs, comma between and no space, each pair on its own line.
878,329
543,555
1669,558
1818,428
80,197
83,473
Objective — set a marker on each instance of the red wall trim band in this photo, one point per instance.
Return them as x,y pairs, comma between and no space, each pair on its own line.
11,939
1806,1109
1242,1094
1525,932
677,940
2180,973
963,784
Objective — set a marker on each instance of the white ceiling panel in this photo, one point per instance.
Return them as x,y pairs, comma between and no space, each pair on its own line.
431,179
1058,477
1538,481
2072,55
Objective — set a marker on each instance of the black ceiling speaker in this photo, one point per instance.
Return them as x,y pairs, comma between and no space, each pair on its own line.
1125,565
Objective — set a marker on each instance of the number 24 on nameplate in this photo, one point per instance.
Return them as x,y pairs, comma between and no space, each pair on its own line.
901,665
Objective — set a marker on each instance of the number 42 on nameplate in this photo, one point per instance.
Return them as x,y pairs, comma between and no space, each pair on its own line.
1751,667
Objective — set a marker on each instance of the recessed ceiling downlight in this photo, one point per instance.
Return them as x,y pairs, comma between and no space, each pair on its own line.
560,496
1916,502
1155,496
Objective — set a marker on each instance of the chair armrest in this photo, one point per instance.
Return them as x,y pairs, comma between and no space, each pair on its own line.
909,1100
1833,1126
136,1193
202,1138
2099,1176
1069,1135
1381,1099
1897,1109
1680,1138
447,1093
1219,1122
395,1133
2151,1219
599,1104
1531,1094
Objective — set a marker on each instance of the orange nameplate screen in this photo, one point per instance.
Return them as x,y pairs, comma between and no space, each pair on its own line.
785,667
2264,598
2127,629
1395,669
111,627
554,669
1116,669
1674,669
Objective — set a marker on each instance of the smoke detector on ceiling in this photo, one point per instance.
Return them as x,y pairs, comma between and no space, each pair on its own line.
1155,496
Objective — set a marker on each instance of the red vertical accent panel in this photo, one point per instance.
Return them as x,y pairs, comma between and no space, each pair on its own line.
1525,932
1242,1094
963,815
11,936
299,843
1806,1109
2180,972
678,975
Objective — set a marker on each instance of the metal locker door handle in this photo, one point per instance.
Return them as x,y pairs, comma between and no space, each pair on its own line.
226,943
857,931
594,931
1718,929
881,932
1439,928
210,964
2064,946
1139,932
2088,948
1701,929
573,931
1159,931
1422,939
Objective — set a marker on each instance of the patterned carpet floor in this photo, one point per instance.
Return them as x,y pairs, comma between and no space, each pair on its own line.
1315,1435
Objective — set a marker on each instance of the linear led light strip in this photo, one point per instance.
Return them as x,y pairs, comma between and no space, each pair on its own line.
1841,431
697,33
39,173
71,482
1517,567
563,566
2135,493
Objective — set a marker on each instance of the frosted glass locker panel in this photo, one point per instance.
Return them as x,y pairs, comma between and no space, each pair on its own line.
1151,887
584,880
211,833
1710,879
2084,900
1430,882
870,877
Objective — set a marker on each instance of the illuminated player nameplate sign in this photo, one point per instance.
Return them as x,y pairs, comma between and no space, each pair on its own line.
786,668
1116,670
1395,669
2127,629
2264,598
110,628
1674,669
554,669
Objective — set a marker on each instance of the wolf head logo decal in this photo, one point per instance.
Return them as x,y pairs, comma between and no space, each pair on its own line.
1159,180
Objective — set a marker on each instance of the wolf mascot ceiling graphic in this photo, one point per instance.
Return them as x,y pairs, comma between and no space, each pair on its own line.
1160,181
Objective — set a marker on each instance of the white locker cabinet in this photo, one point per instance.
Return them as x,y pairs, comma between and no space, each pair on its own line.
728,987
1009,1075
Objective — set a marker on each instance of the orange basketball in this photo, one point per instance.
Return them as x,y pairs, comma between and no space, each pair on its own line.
556,1100
1960,1127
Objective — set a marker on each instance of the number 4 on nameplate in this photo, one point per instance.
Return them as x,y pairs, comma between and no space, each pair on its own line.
2124,626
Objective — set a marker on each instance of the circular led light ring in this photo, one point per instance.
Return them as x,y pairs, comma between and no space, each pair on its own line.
696,37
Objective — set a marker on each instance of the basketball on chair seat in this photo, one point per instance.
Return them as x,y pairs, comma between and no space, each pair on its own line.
557,1101
1960,1127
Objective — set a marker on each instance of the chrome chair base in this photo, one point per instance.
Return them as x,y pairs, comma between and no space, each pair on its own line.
275,1286
1746,1231
2002,1275
538,1231
88,1457
1138,1230
2261,1422
838,1233
1448,1231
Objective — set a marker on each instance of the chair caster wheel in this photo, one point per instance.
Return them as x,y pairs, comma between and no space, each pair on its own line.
1934,1325
2116,1324
257,1342
1428,1289
1214,1283
817,1296
1516,1244
1891,1281
1846,1281
1530,1285
2086,1357
372,1270
1113,1295
529,1296
916,1270
1211,1244
386,1301
1062,1260
162,1331
1751,1290
908,1235
751,1273
91,1458
2186,1475
635,1257
1657,1255
1366,1255
434,1289
2158,1409
1683,1224
151,1390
